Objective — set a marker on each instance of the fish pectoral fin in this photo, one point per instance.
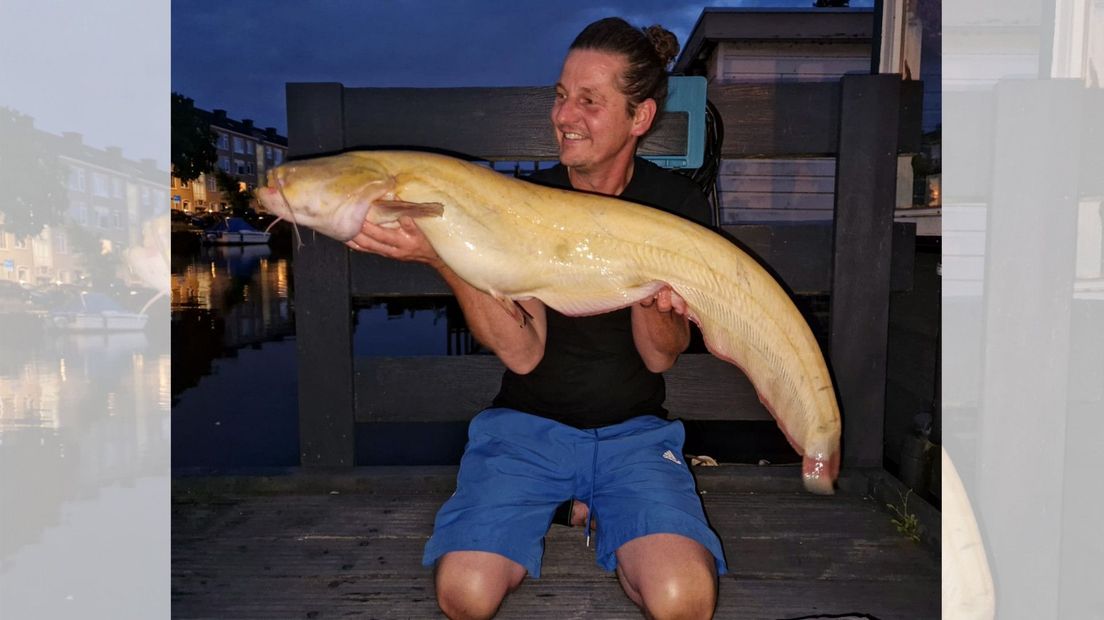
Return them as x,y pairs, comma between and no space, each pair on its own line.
513,308
394,209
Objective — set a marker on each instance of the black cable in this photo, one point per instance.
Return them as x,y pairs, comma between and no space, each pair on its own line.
706,175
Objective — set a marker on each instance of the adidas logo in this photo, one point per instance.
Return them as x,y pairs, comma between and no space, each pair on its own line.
670,456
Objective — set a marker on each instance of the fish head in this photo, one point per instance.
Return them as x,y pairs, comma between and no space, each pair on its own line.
331,195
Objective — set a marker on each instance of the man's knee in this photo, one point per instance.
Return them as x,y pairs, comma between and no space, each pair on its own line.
669,576
690,594
473,584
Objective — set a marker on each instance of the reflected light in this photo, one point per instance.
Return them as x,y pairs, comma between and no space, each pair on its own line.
282,279
164,383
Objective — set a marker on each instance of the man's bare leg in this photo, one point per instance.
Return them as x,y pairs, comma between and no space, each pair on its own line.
472,584
668,576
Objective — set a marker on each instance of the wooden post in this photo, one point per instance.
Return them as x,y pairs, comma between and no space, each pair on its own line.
323,302
866,175
1029,267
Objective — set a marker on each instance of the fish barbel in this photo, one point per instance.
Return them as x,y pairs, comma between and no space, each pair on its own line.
582,254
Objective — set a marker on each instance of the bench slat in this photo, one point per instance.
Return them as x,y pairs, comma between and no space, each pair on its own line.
801,254
500,123
451,388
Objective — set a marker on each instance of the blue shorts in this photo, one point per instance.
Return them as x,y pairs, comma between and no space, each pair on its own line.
517,468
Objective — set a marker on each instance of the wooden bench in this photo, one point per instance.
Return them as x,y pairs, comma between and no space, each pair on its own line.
313,542
856,259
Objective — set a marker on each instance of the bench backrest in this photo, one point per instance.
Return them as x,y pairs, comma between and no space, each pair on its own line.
857,258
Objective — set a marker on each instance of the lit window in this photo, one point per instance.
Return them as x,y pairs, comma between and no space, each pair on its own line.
99,184
76,179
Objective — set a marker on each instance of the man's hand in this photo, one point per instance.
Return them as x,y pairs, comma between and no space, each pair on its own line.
405,243
519,349
666,300
661,329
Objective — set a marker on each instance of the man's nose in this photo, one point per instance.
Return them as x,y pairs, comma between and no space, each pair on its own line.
565,112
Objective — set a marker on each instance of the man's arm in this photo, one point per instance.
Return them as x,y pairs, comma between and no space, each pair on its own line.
517,340
660,329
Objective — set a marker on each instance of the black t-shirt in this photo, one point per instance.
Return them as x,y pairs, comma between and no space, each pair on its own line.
591,374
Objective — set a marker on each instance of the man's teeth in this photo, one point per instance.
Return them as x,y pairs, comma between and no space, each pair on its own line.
573,136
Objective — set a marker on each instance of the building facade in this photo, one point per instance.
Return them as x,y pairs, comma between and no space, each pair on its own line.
109,198
245,152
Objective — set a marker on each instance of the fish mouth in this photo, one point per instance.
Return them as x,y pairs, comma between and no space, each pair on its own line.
272,200
341,221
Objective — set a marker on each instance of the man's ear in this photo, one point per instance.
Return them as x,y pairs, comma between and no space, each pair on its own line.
644,117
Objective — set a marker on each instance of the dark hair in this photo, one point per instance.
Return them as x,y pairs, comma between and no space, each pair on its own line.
648,51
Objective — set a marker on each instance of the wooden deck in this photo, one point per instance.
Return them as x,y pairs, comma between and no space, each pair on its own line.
302,544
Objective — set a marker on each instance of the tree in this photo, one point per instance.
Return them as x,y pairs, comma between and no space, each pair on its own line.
237,199
101,260
33,180
193,147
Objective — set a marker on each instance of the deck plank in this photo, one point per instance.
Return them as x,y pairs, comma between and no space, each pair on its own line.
357,552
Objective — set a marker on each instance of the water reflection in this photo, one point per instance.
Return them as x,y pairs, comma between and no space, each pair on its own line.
234,376
226,298
82,413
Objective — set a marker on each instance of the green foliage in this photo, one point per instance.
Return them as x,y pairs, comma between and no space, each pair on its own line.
237,200
33,180
906,522
193,147
100,266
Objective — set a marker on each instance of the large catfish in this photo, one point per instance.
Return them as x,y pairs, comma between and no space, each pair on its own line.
582,254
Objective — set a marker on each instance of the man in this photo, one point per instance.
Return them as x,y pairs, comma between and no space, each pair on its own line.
580,410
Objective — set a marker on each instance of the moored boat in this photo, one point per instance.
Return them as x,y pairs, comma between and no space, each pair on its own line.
234,231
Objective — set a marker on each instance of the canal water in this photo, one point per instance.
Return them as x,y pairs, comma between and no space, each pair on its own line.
234,371
84,465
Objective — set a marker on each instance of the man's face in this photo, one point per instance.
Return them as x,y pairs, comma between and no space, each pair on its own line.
591,118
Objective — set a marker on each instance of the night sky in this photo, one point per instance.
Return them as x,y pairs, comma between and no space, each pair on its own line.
238,55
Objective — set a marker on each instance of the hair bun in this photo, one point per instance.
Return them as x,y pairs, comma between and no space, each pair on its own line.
664,41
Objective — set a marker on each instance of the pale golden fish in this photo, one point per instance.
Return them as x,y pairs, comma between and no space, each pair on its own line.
583,254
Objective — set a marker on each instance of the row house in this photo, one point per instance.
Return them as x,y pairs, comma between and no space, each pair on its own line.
109,197
245,152
771,46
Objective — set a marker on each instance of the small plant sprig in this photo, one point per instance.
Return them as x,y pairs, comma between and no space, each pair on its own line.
906,522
